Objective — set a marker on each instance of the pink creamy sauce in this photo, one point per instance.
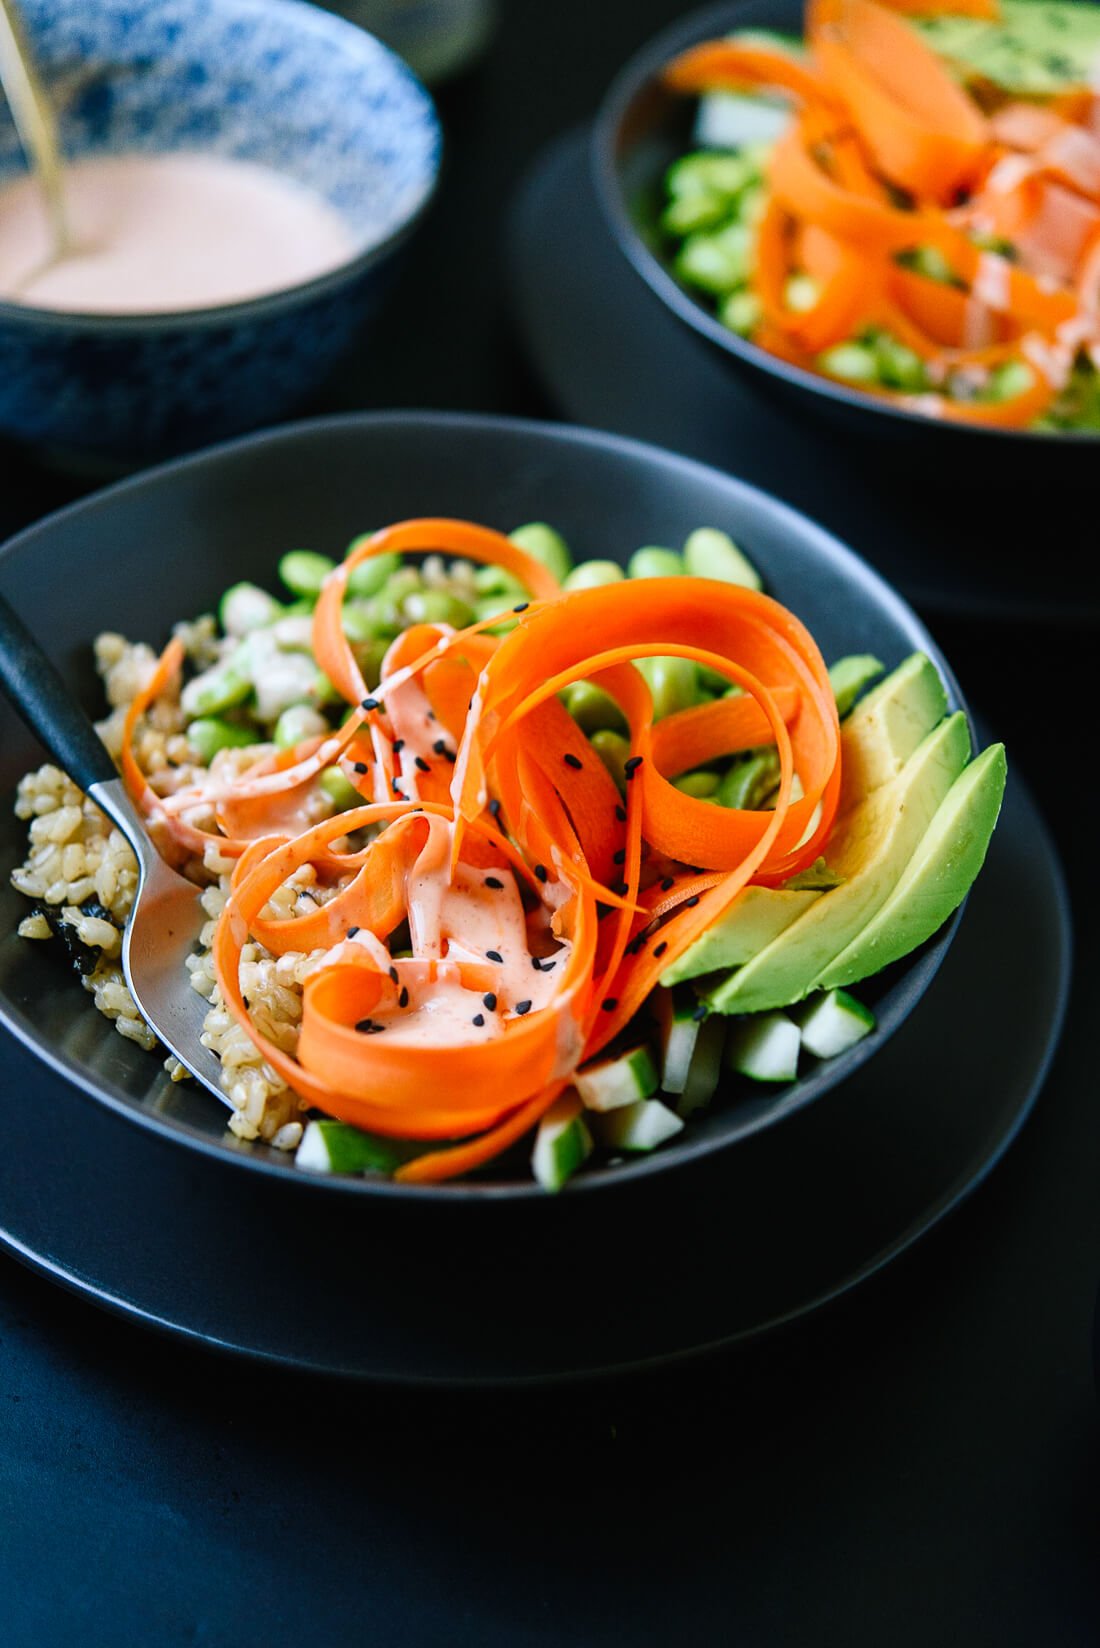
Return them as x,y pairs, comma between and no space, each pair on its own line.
169,232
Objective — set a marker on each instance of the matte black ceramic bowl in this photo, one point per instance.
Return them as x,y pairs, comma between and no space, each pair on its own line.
640,130
163,546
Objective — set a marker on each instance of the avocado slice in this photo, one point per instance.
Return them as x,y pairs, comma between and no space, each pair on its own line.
1034,48
872,846
877,739
756,916
938,876
886,726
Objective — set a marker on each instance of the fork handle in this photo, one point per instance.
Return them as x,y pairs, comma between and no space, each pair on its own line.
40,696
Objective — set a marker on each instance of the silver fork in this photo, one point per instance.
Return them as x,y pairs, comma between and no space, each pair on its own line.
167,917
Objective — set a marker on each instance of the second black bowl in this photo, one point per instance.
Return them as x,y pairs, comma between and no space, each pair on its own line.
641,129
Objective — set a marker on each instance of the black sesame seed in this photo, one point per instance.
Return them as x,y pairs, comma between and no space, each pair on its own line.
398,791
489,1000
701,1012
659,949
367,1027
610,1003
635,946
369,704
403,998
618,887
523,1007
620,856
449,755
690,903
620,812
667,884
540,872
494,808
522,606
393,974
360,766
493,955
574,762
479,1019
491,881
352,931
439,746
398,745
425,766
631,766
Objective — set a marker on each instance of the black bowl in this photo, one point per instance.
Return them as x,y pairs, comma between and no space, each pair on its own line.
163,546
641,128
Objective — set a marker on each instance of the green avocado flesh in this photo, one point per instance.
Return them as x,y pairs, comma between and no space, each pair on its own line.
1035,47
886,726
877,739
872,846
937,878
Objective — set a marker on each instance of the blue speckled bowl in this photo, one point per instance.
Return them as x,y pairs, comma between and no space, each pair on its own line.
273,81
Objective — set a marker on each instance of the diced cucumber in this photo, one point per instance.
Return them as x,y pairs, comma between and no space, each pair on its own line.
546,546
705,1070
765,1046
613,1083
209,734
643,1125
246,607
335,1147
678,1032
833,1022
304,572
562,1143
850,676
728,120
709,553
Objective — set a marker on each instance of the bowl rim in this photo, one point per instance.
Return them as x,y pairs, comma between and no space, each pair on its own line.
691,1147
640,72
302,18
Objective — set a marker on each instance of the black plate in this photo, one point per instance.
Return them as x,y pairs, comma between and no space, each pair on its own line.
611,354
716,1253
170,541
641,129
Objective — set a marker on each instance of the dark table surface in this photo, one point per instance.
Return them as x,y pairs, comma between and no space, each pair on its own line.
917,1465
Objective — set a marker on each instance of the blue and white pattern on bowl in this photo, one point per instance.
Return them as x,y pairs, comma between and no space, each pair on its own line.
277,82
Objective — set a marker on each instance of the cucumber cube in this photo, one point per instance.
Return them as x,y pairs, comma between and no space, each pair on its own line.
562,1143
642,1125
613,1083
765,1046
833,1022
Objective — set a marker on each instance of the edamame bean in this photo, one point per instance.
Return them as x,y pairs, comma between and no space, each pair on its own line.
801,293
437,606
357,622
702,786
1009,380
297,723
717,262
369,657
402,583
546,546
210,733
245,607
217,689
593,709
709,553
705,173
750,780
304,572
673,684
614,751
742,312
591,574
652,562
493,580
369,577
686,214
850,362
899,366
340,791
